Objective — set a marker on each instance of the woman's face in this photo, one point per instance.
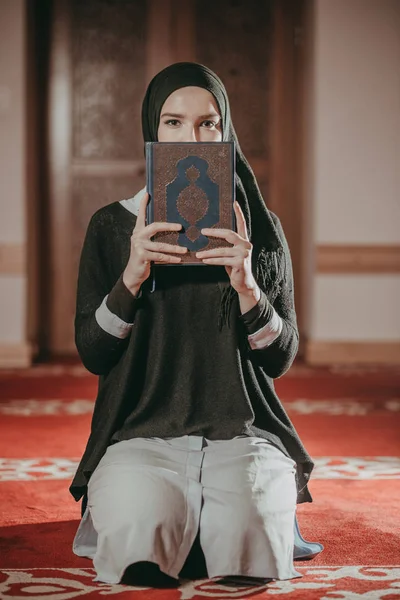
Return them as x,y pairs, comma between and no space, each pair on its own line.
190,114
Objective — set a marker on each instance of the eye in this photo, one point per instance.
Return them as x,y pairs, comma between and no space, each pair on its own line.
209,124
172,122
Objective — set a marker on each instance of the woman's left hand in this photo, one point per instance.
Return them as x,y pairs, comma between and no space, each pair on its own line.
237,258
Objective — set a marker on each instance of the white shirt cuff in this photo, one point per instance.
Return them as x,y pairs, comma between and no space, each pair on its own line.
111,323
266,335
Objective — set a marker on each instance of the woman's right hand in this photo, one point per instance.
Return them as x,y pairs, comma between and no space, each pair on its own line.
144,250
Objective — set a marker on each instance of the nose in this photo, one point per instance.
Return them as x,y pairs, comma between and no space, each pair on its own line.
193,135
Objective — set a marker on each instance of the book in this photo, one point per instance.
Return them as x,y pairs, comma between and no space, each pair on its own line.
192,183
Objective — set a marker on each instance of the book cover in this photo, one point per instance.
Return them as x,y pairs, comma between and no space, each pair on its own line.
192,183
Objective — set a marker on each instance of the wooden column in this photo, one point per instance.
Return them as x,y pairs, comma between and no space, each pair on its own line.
286,132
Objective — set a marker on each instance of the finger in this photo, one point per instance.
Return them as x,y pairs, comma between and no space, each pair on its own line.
215,252
231,261
149,256
157,226
228,235
241,221
141,217
163,247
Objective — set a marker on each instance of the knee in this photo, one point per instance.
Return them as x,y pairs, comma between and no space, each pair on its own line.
141,502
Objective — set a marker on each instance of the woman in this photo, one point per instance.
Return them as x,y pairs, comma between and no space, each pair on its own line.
188,435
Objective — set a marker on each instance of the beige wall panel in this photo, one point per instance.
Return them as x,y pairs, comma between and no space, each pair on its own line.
357,122
13,308
356,307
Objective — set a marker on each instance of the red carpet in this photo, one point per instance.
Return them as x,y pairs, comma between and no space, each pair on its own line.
349,420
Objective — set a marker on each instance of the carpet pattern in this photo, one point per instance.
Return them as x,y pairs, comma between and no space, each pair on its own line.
348,419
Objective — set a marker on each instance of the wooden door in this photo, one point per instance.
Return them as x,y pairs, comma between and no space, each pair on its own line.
103,54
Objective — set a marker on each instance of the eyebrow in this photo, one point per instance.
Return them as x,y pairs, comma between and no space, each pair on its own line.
176,116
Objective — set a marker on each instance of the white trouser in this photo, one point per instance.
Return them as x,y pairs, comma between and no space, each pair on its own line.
148,497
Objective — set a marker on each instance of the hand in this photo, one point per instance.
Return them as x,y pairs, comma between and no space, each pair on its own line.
144,250
237,258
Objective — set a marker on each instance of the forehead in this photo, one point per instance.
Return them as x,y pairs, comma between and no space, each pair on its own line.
190,100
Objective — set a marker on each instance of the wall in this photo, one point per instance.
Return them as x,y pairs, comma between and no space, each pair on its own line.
14,346
351,184
353,181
